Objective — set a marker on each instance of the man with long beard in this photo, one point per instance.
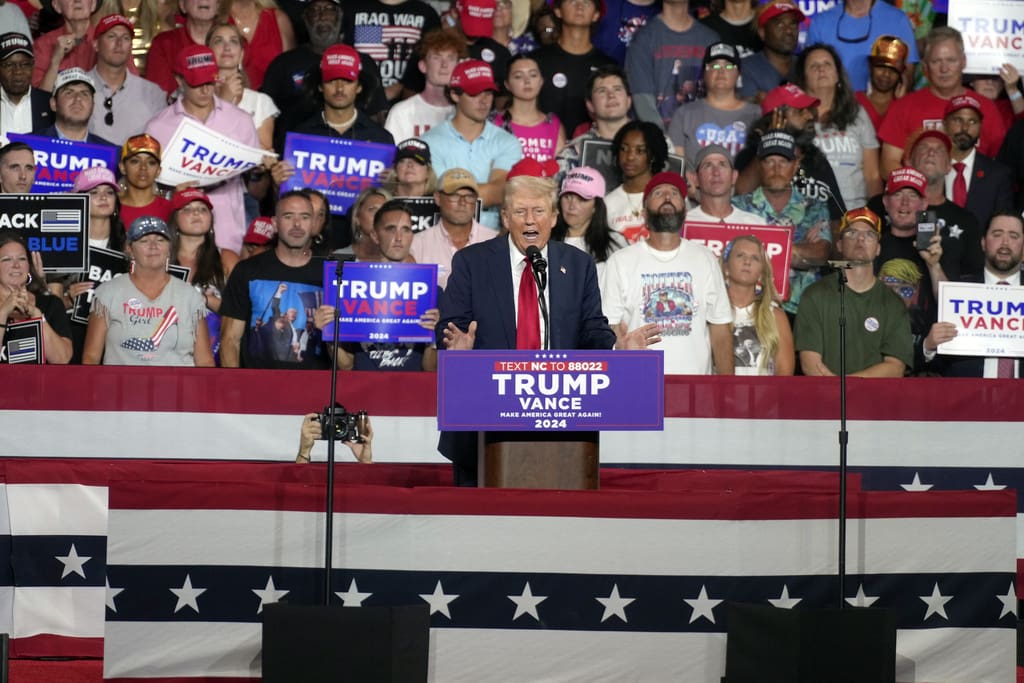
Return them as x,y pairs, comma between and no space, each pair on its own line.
674,283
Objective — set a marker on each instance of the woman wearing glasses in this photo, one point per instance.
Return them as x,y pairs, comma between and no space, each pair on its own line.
720,117
843,131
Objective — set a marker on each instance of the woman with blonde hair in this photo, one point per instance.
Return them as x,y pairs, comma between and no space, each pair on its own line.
362,212
228,45
267,31
762,338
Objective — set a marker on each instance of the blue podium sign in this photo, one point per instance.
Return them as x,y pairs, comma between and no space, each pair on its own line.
550,390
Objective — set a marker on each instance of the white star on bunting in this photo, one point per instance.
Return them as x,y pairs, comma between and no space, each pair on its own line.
936,603
268,595
990,485
784,601
916,484
526,603
352,597
111,594
1009,602
73,563
615,605
438,601
703,606
861,599
187,595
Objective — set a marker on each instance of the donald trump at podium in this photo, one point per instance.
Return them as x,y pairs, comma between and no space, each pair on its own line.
492,302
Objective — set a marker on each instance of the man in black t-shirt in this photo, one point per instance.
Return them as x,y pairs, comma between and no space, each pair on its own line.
277,290
566,65
291,72
389,33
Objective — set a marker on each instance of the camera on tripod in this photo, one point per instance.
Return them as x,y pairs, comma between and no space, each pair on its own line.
347,426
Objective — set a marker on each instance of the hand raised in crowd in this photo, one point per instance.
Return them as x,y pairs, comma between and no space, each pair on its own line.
457,340
62,47
322,316
640,338
281,171
933,253
429,319
1011,77
231,87
185,185
939,334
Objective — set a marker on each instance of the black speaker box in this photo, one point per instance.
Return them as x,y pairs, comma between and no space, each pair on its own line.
772,645
333,644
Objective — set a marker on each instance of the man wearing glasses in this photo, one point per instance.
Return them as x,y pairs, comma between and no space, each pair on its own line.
456,197
719,118
878,339
22,107
852,27
128,101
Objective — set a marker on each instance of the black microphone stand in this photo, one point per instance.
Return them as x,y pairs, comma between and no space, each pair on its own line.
540,274
843,436
330,427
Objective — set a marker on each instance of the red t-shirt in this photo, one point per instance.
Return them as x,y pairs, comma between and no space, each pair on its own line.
160,60
924,109
159,207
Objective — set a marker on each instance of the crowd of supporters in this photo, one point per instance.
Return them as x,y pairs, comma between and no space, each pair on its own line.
848,128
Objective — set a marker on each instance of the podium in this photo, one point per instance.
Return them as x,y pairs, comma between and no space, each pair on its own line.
528,460
538,414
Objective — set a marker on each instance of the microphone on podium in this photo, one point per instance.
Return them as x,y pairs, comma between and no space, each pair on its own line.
540,275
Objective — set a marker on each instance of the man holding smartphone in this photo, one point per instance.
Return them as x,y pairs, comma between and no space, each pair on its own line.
914,234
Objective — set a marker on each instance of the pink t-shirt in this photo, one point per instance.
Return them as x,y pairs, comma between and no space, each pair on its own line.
539,142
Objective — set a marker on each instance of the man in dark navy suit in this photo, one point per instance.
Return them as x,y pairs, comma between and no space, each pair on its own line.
1003,244
20,115
72,102
480,307
975,182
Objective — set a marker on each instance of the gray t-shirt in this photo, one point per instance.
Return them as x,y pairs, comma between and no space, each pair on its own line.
845,153
145,332
665,68
698,124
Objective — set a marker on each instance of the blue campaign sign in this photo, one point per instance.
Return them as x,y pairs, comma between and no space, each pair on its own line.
338,167
550,390
58,162
381,302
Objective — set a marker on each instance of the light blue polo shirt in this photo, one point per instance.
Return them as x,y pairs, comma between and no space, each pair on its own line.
493,149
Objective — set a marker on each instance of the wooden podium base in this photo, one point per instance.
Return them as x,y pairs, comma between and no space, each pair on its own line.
521,460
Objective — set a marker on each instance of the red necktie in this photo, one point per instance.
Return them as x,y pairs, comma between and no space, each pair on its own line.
1004,368
959,185
528,321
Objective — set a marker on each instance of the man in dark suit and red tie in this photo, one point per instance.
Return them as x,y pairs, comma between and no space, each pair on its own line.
1003,244
975,182
491,301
